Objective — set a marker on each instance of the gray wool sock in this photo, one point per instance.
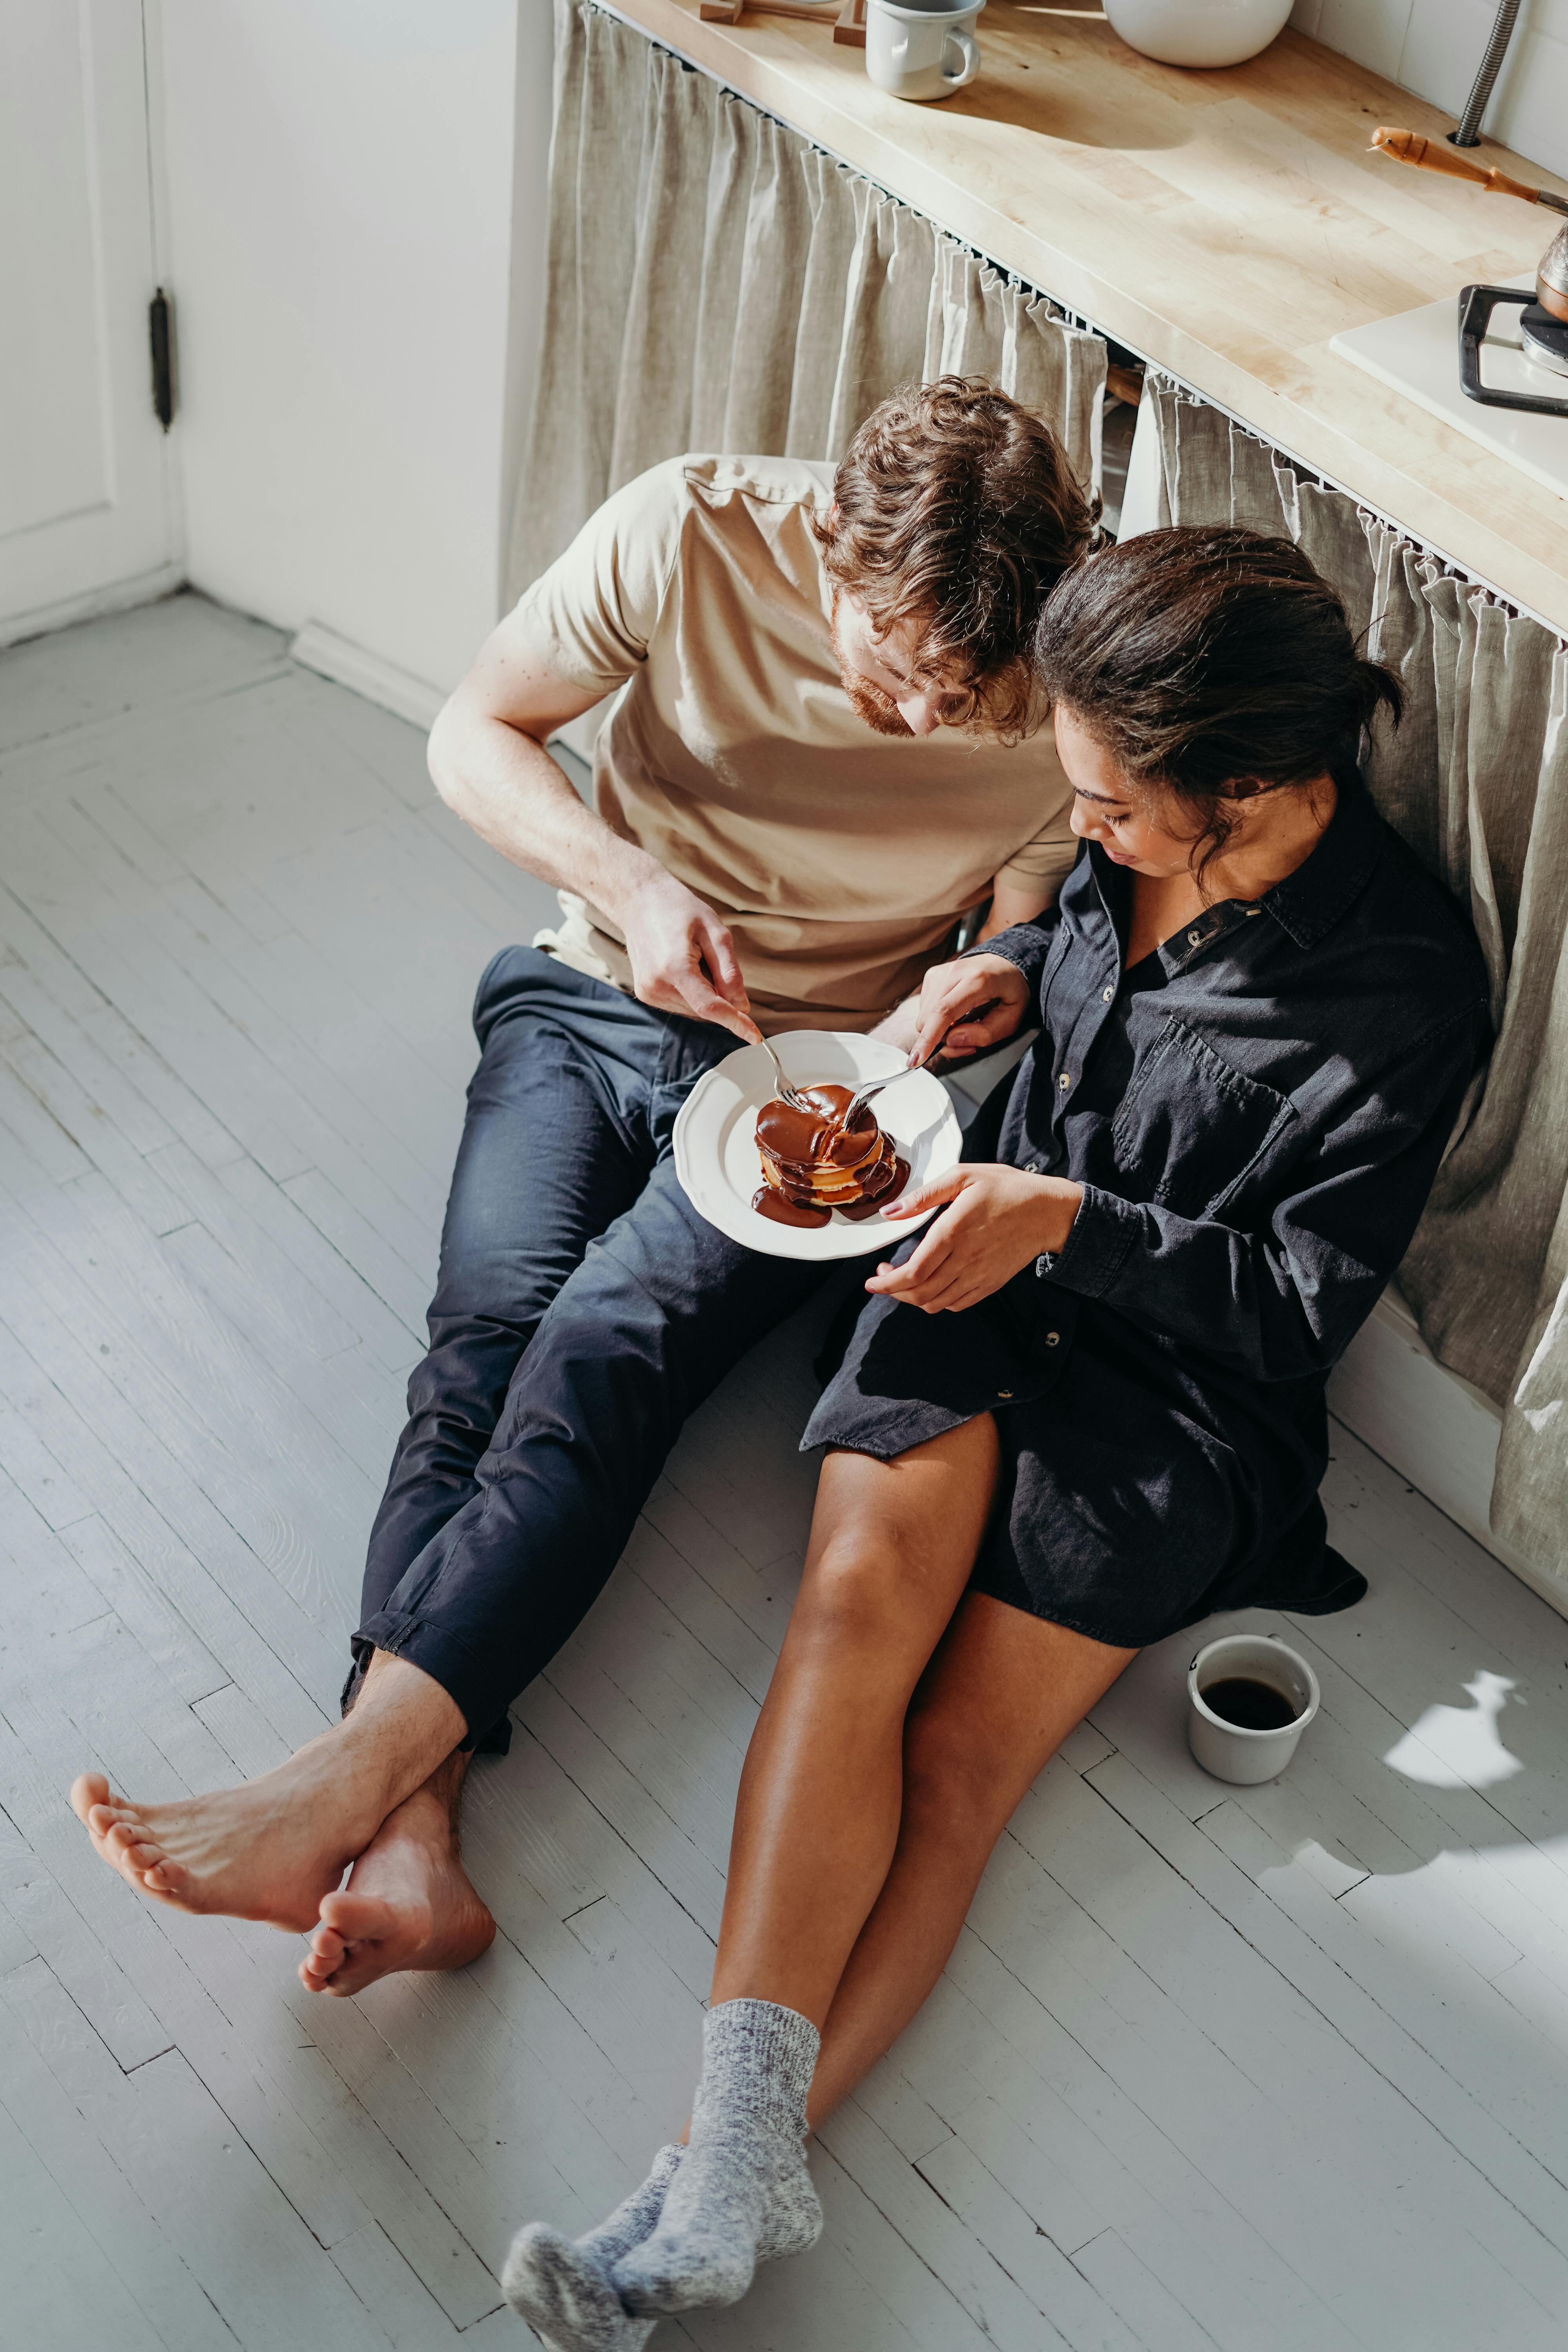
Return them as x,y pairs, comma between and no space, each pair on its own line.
562,2285
742,2194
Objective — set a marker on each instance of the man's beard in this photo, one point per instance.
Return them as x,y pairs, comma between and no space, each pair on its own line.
879,710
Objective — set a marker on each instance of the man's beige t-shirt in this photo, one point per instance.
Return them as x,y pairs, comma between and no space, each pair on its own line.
840,859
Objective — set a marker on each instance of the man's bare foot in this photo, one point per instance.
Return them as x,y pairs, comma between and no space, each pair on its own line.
409,1904
272,1848
268,1850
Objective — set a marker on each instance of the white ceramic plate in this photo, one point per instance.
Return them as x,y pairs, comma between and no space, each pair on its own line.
716,1139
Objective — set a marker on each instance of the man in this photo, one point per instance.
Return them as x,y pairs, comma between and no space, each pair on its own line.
816,761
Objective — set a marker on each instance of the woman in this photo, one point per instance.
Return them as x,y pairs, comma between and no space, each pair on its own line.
1260,1017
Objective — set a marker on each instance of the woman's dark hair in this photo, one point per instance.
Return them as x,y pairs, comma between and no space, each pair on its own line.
1213,664
954,507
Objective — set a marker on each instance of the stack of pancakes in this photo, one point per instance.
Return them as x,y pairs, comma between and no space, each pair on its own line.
815,1160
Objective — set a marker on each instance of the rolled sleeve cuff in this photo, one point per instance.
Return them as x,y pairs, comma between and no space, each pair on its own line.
1024,946
565,654
1103,1234
1042,861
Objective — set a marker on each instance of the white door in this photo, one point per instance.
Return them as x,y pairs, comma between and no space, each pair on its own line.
87,506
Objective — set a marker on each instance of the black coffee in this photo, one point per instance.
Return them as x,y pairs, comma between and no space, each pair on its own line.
1251,1707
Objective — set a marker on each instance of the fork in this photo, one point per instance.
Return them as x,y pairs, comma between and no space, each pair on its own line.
862,1095
781,1087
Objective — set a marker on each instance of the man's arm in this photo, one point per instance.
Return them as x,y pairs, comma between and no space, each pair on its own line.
489,762
1015,901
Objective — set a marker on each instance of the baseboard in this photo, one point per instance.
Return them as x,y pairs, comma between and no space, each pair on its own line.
93,605
1436,1430
330,656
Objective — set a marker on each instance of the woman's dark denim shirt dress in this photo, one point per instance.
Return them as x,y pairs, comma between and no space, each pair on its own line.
1256,1132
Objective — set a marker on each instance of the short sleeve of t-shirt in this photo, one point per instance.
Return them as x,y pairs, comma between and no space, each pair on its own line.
591,614
1051,855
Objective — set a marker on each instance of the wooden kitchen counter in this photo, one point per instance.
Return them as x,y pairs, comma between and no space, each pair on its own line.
1224,224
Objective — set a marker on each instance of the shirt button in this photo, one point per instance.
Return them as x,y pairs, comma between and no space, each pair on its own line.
1033,1169
1064,1081
1106,995
1004,1395
1194,939
1051,1338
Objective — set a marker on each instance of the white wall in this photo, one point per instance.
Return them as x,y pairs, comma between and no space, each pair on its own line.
343,185
1433,47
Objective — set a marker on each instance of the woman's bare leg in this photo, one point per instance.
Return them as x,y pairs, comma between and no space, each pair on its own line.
1001,1695
817,1821
816,1824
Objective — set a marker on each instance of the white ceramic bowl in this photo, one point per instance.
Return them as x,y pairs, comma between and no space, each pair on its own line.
1198,32
716,1131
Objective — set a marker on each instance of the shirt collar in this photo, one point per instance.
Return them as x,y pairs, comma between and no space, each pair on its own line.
1310,902
1307,904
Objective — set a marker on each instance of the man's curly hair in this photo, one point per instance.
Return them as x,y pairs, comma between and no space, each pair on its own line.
955,508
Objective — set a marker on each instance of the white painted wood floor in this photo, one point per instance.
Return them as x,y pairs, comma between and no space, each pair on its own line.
1209,2068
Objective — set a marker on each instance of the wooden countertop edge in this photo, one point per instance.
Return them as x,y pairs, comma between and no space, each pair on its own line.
1410,504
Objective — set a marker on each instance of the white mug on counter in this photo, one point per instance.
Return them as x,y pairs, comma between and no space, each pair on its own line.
922,49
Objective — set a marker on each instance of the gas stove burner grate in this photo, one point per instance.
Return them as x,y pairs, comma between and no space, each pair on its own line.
1544,341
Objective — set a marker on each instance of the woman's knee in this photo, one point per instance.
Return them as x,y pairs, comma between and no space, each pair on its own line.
851,1591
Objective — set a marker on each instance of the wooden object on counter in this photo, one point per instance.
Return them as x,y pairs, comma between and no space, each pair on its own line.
1225,224
847,17
1431,155
1436,155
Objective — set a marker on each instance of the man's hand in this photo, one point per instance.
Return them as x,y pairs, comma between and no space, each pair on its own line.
682,957
490,764
998,1221
969,1006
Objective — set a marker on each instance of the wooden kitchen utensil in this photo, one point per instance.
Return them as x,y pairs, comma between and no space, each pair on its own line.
1436,155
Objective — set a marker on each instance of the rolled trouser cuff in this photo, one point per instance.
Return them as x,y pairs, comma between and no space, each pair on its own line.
448,1661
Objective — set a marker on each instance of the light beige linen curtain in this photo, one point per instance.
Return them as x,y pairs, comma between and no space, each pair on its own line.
1477,781
717,283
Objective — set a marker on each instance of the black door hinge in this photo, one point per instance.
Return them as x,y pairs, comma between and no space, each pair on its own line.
163,365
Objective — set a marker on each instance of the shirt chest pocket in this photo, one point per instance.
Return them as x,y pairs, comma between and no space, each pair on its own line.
1190,1126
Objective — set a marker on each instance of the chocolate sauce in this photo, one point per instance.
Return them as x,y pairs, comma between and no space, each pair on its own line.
858,1211
801,1142
814,1138
768,1202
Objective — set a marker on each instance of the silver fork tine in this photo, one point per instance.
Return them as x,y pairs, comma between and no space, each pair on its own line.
862,1095
785,1091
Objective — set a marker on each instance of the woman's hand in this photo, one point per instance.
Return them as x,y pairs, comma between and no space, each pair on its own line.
999,1220
969,1006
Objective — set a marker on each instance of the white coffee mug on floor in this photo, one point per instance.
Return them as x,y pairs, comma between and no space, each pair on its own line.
1221,1738
922,49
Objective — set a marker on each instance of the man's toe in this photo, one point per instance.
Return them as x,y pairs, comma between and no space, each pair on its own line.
89,1789
367,1919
